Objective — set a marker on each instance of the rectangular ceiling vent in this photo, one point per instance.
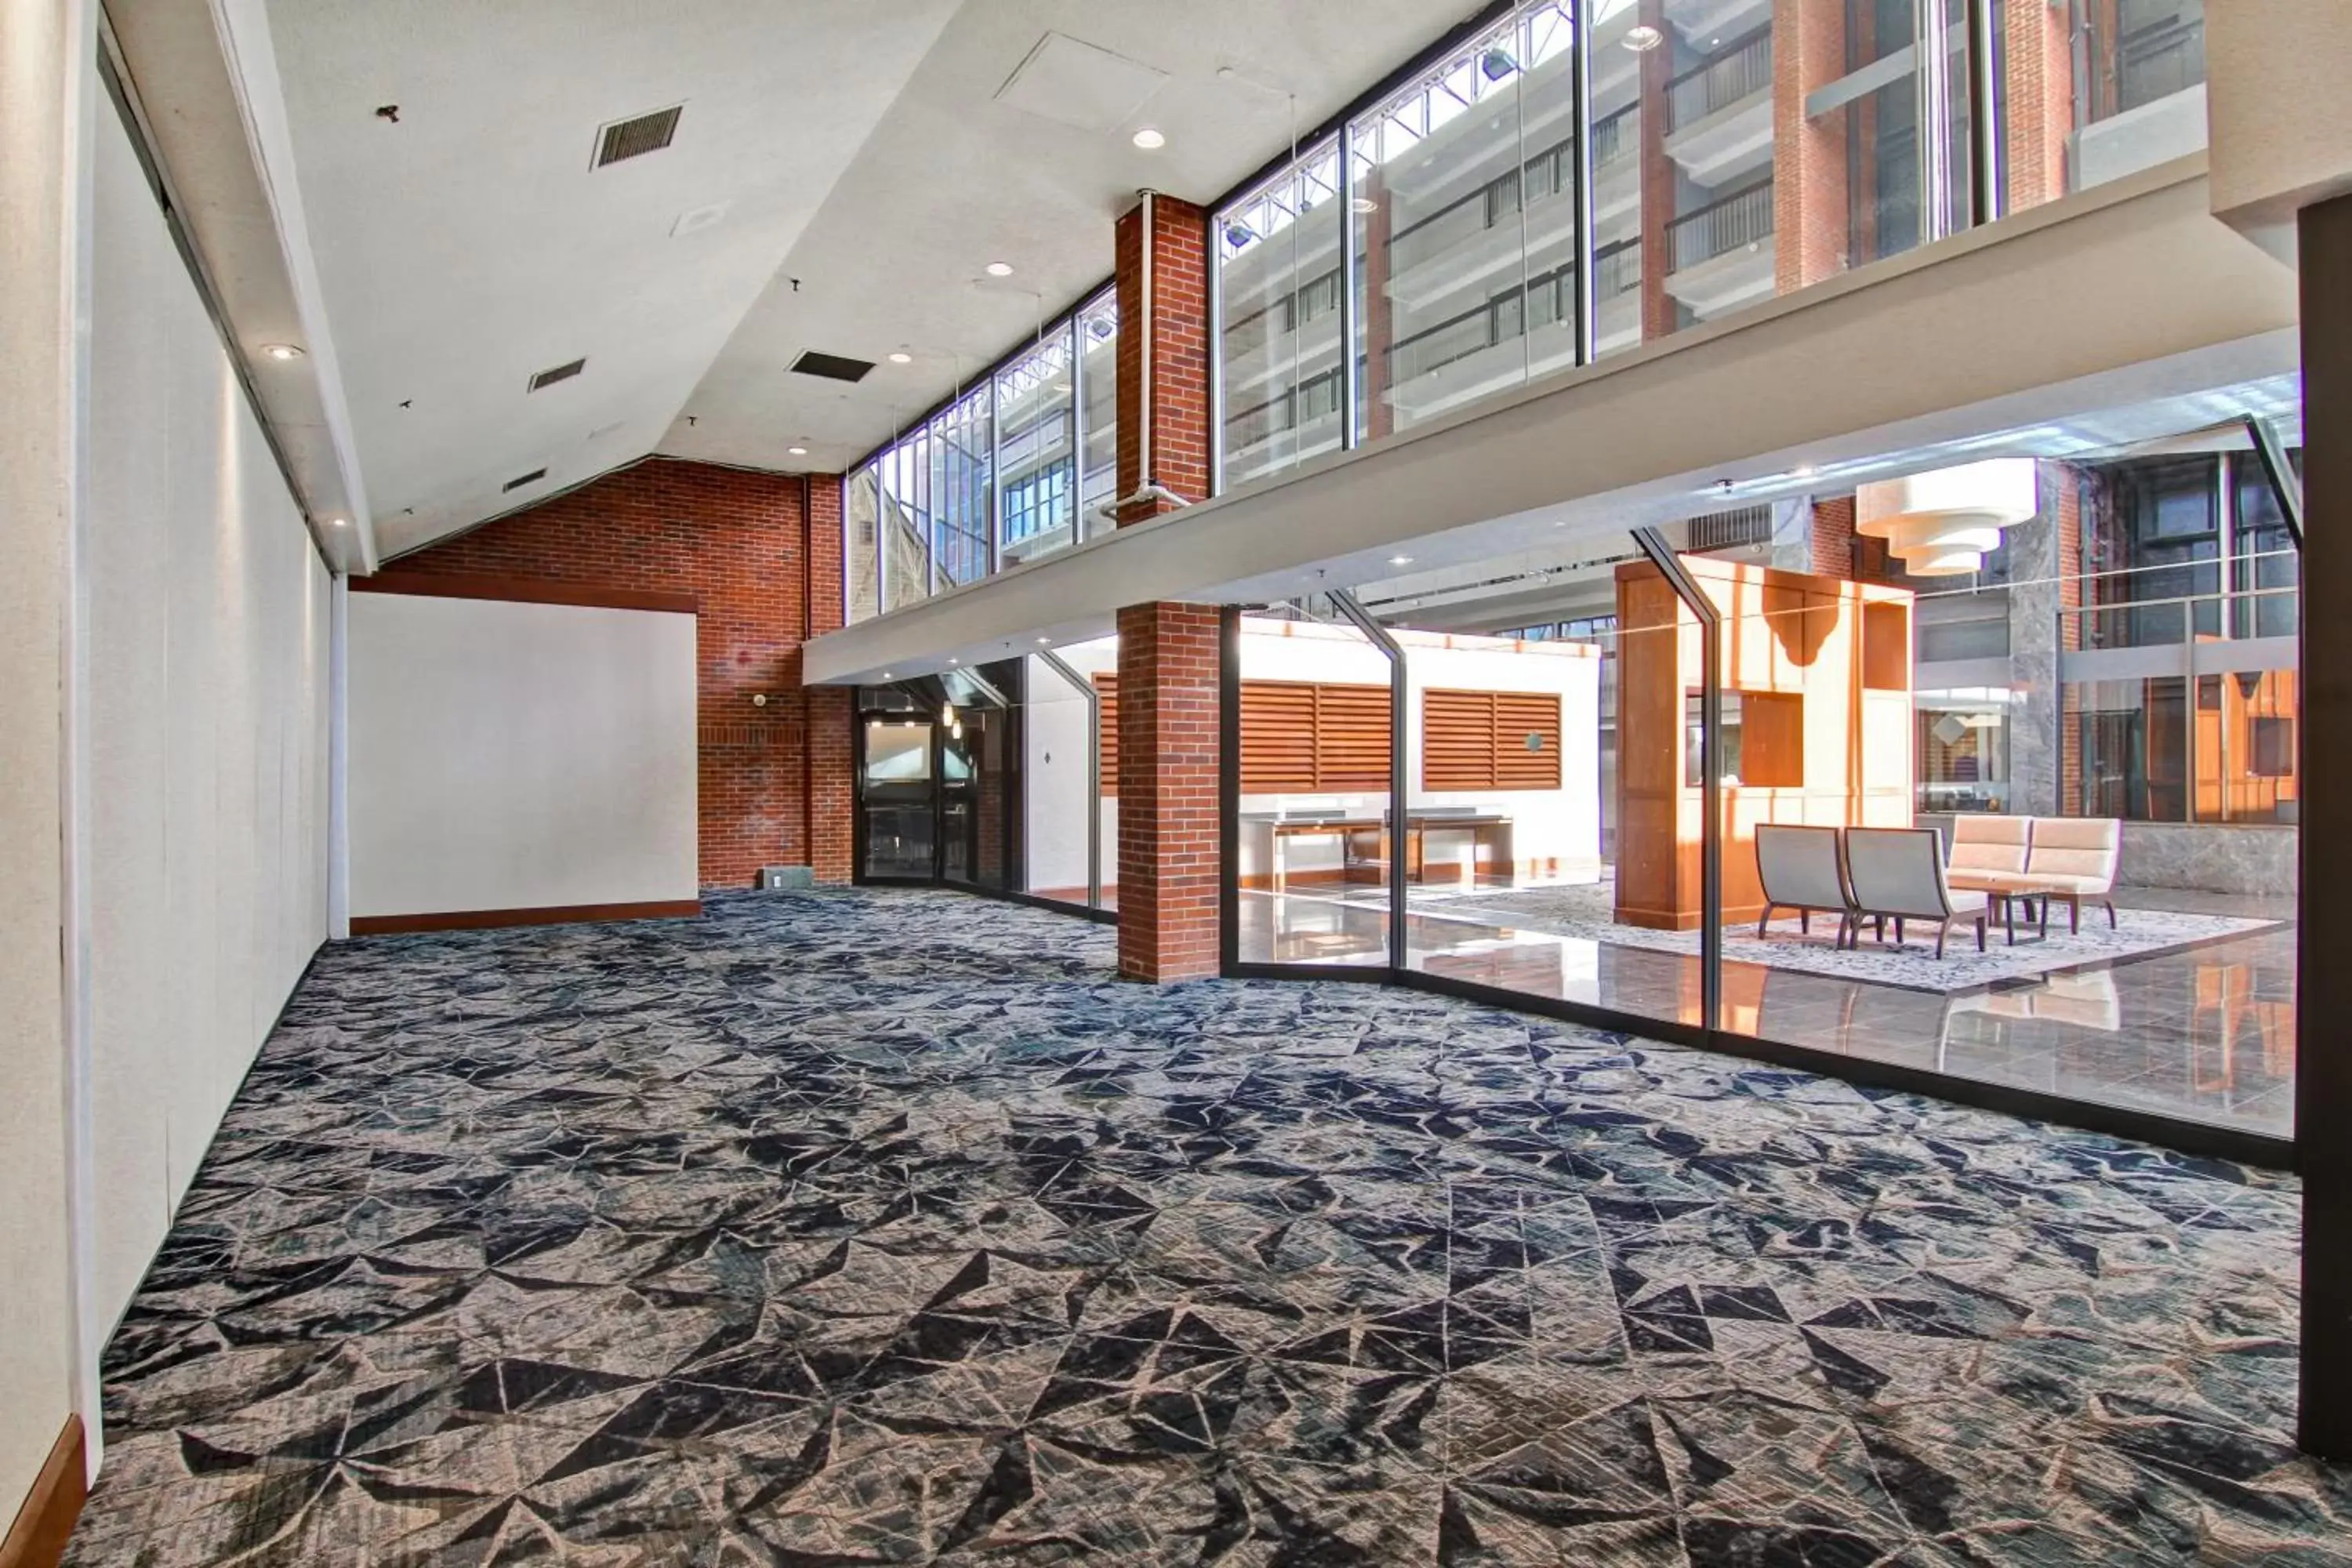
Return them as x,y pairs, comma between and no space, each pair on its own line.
633,138
531,477
833,367
561,373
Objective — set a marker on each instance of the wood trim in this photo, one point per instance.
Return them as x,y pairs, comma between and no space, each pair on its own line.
45,1522
526,591
486,920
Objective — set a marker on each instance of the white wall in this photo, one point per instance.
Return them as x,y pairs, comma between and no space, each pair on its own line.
517,756
45,75
205,628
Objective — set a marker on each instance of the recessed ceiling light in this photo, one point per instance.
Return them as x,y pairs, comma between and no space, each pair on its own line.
955,661
902,359
999,270
886,675
1803,471
1363,204
1045,639
281,350
1642,37
1400,560
1150,140
337,522
797,452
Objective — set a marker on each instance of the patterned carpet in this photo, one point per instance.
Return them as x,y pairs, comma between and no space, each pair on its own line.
856,1227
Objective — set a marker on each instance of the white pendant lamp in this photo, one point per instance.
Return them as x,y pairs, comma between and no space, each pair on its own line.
1943,523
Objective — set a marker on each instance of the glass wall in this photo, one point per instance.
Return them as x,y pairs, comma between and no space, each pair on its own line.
1010,471
1539,196
1278,285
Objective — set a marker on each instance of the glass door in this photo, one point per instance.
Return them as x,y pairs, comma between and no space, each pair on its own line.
897,806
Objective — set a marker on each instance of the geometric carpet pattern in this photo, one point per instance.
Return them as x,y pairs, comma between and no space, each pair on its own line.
863,1226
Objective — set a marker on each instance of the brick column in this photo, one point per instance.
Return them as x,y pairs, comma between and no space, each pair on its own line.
1830,539
1168,860
1178,331
2039,101
826,714
1169,864
1658,172
1809,172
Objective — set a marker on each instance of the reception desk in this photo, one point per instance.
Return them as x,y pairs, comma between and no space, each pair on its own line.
1365,850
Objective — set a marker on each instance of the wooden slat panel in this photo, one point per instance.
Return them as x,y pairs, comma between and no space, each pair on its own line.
1352,738
1277,736
1518,716
1478,739
1107,754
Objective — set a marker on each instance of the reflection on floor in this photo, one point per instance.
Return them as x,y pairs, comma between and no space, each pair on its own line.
2205,1034
889,1227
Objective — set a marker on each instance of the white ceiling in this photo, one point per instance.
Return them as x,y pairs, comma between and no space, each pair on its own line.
856,145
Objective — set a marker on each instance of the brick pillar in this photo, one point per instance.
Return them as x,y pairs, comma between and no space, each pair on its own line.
827,715
1831,538
1179,329
1657,179
2040,100
1168,654
1167,839
1380,316
1809,173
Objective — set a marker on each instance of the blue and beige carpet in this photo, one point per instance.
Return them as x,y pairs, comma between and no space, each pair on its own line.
856,1227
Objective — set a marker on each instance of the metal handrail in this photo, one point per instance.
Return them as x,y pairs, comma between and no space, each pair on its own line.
1743,66
1742,217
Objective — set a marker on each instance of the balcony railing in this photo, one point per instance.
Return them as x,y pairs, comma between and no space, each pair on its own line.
1615,137
1744,68
1617,268
1743,218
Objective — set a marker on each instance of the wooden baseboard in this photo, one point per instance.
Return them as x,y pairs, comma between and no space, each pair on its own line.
485,919
37,1538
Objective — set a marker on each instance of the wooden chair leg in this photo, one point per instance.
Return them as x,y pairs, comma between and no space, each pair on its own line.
1804,922
1941,932
2111,912
1981,934
1898,930
2074,915
1764,921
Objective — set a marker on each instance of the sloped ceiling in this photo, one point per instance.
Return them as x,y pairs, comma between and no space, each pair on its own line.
465,241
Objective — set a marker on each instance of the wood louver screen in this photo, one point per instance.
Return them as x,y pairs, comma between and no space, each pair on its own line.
1305,738
1107,749
1479,740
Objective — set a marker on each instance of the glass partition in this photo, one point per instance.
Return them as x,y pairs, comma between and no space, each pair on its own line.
1098,331
861,521
1279,281
905,491
1070,769
1037,451
1317,844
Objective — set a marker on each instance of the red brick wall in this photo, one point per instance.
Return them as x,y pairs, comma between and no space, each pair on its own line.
2039,101
1830,537
736,541
1180,337
1168,833
1809,172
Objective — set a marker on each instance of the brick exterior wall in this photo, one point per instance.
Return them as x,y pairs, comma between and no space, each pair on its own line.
1830,539
736,540
1169,859
1809,219
2039,101
1179,329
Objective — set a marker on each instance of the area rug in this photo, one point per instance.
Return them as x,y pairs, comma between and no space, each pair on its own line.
1584,911
870,1227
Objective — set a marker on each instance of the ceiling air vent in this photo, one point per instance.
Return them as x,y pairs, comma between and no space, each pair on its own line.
531,477
629,138
833,367
561,373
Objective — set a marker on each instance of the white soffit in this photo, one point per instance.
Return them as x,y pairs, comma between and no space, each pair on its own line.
1991,335
203,80
1077,84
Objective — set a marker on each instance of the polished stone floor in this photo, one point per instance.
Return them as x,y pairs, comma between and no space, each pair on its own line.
2205,1034
889,1227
